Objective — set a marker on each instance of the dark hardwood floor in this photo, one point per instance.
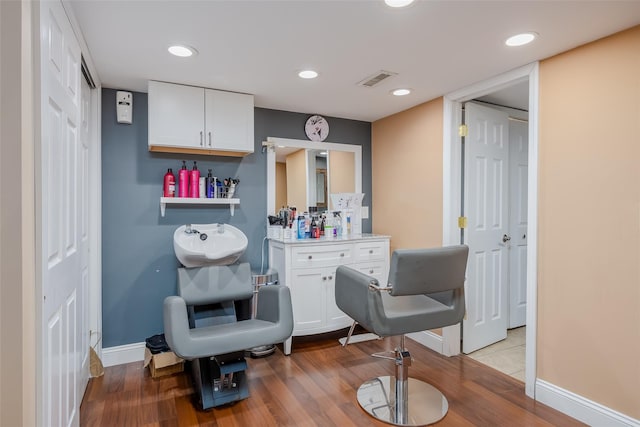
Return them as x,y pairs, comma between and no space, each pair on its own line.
314,386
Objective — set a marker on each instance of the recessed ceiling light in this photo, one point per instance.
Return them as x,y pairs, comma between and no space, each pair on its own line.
398,3
401,92
308,74
521,39
182,51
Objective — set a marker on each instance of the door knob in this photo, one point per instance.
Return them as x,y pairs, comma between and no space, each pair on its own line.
505,238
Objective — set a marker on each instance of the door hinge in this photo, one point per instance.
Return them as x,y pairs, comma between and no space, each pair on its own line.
462,222
463,130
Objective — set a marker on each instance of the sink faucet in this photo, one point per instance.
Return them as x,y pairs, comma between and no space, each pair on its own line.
190,230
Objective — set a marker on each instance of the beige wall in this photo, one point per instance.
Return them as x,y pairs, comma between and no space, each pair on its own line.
406,163
589,212
296,187
281,185
589,222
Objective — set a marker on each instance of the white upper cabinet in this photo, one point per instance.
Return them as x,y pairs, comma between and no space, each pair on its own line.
188,119
228,120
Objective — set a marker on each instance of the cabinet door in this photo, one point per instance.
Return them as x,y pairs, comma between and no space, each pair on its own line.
308,298
229,121
176,115
335,316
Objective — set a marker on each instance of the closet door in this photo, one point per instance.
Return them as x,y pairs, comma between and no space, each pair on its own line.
62,230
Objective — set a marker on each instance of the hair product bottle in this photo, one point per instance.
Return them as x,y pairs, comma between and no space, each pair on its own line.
194,180
169,186
183,181
209,185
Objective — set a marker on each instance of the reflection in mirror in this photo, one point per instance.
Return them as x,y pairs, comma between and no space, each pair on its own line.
303,173
306,177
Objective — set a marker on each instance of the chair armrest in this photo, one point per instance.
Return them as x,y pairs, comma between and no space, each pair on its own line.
176,323
274,305
353,294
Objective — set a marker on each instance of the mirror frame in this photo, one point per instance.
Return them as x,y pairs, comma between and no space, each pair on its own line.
272,142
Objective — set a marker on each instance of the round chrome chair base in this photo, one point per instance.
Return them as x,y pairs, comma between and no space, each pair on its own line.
426,405
263,350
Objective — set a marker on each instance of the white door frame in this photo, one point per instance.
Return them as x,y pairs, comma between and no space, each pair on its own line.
452,196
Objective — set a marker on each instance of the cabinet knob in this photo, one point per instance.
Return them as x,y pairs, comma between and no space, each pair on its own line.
330,277
370,271
370,251
309,257
342,255
324,277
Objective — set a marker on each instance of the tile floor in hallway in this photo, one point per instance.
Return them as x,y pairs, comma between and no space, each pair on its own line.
506,356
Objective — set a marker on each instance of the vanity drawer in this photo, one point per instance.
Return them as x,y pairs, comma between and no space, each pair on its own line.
375,270
371,251
321,256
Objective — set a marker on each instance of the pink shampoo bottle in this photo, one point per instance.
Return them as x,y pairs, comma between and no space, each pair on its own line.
194,182
183,181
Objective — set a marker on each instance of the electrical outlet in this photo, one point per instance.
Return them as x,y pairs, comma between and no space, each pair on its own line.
364,211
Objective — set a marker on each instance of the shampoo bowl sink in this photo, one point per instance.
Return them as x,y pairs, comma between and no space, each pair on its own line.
199,245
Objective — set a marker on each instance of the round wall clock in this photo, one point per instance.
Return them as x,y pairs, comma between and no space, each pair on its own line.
316,128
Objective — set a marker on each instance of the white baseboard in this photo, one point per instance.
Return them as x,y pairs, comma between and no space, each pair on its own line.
122,354
580,408
429,340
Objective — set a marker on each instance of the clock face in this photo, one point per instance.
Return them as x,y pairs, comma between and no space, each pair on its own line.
316,128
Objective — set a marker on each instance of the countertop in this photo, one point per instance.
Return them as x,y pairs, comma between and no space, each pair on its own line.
338,239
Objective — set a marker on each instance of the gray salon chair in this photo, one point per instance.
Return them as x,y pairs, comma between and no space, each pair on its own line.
203,325
425,291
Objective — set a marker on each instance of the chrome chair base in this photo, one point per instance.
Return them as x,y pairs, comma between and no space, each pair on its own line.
423,405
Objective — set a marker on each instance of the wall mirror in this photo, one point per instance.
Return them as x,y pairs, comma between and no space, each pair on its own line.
304,173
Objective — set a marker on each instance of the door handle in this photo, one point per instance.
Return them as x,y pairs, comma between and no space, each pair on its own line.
505,238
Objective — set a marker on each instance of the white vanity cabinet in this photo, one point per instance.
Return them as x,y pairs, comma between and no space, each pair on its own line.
308,268
195,120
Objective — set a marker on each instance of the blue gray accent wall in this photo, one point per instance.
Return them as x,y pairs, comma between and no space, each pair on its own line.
138,262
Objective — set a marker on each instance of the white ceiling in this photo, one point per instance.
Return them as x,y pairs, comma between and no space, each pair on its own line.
258,47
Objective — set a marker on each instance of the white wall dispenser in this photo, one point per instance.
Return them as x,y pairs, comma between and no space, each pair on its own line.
124,106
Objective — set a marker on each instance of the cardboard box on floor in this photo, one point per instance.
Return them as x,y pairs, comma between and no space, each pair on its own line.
161,364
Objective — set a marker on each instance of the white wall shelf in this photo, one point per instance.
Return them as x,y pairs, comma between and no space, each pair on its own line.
164,201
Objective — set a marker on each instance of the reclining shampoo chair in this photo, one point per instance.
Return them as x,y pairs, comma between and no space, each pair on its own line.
201,325
425,291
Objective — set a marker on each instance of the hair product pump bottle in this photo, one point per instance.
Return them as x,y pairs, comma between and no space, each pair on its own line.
183,181
209,185
169,187
194,179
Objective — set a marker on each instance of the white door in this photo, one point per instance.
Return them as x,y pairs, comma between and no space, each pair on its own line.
63,239
518,171
486,207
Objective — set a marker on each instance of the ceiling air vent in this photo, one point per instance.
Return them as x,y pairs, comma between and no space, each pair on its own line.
376,78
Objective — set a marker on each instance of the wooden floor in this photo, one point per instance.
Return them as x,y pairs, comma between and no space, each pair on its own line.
314,386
